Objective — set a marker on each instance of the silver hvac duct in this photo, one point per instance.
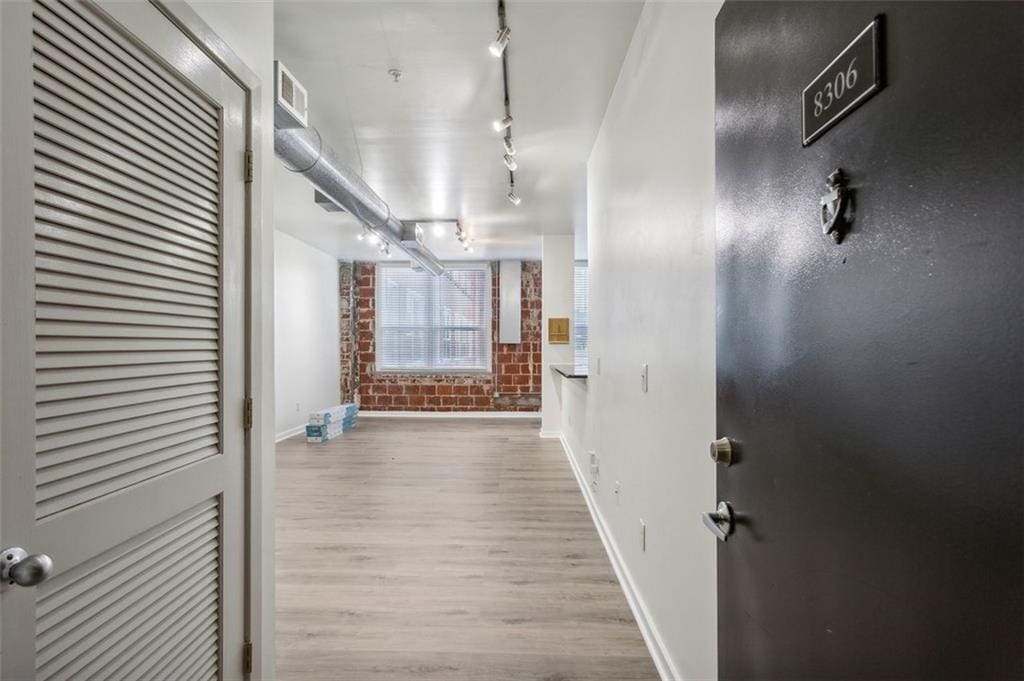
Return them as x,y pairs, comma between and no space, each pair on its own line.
303,150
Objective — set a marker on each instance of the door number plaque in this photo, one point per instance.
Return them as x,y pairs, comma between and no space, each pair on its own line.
846,83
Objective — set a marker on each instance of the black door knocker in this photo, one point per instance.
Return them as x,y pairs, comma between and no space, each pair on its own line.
833,205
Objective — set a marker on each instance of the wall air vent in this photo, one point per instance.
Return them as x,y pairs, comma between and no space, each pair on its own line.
291,107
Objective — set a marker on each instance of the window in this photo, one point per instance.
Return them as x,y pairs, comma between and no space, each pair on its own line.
428,323
581,305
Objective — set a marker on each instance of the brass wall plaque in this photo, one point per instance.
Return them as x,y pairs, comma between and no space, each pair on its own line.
558,330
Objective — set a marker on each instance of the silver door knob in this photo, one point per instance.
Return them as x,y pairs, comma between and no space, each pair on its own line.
721,451
17,567
720,522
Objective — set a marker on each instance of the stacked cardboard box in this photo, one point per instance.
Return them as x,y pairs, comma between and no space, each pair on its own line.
328,424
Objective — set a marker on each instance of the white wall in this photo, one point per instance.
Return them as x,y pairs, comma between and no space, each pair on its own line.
557,263
651,247
248,29
307,357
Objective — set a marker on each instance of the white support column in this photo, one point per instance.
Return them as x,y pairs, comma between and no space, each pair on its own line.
558,261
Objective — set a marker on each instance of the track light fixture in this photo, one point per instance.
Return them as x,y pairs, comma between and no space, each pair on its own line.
503,123
501,41
498,49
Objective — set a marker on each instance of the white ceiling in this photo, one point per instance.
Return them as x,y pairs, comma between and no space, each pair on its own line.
425,143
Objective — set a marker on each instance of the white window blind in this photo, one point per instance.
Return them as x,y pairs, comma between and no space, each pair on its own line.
581,323
428,323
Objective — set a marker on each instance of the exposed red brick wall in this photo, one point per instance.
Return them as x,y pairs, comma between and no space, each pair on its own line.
346,325
512,385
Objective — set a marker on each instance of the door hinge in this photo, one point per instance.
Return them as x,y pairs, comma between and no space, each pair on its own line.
249,170
247,414
247,657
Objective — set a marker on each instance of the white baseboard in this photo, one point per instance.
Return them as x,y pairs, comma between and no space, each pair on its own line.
551,434
290,433
451,414
655,644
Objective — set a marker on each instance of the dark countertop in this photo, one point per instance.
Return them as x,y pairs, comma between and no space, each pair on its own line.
570,371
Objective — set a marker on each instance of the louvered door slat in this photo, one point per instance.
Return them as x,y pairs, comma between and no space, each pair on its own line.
114,302
84,586
95,160
89,618
133,157
63,424
57,479
117,275
56,408
204,664
76,42
68,228
79,283
66,463
50,105
149,438
170,636
103,185
96,433
87,166
79,632
57,59
131,59
55,91
71,391
74,377
75,247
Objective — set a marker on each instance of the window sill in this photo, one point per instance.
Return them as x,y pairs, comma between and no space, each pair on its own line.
433,372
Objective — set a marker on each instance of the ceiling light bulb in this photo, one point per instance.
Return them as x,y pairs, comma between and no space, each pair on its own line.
470,249
387,253
360,236
513,197
503,123
438,229
510,162
374,239
500,42
510,148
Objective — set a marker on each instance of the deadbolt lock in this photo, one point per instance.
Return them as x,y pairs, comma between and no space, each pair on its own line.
721,451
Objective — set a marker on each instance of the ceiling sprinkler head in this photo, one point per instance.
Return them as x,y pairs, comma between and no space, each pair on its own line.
396,74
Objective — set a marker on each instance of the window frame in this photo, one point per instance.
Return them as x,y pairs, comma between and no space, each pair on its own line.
487,324
578,265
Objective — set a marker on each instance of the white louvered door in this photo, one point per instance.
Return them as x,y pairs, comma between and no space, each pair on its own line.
123,352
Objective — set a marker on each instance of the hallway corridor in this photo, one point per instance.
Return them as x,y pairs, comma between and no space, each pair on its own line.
444,549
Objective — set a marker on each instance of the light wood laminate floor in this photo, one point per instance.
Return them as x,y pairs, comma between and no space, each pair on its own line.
444,550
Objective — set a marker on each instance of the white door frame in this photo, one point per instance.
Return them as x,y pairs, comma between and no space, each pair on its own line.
16,193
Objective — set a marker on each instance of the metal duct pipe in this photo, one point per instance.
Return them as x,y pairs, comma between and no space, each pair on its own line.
303,150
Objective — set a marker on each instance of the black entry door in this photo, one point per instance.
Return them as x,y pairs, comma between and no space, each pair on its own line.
874,388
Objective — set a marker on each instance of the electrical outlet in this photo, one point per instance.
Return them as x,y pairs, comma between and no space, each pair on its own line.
297,406
643,536
643,378
595,465
618,488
